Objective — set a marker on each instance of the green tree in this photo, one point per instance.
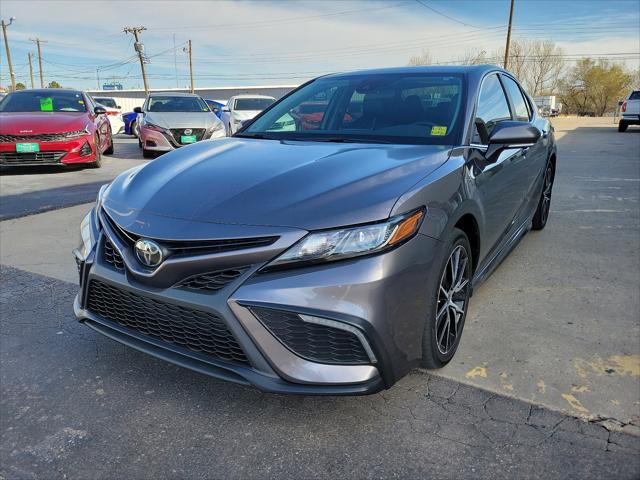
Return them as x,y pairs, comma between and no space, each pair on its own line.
54,84
594,88
20,86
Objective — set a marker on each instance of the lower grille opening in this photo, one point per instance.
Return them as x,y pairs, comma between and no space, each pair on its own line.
195,330
315,342
45,157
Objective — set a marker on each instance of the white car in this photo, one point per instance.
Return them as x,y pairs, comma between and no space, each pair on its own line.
241,108
113,112
630,111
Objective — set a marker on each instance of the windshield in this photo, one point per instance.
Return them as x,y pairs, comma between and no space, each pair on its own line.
177,104
253,103
106,102
38,101
416,108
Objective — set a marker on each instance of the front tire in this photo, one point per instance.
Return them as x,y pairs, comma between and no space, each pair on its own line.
109,151
97,163
544,204
148,153
449,301
133,128
622,126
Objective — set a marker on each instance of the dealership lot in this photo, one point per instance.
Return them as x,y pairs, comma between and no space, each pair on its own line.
553,330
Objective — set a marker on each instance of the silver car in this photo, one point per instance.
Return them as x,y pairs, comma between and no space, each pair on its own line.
171,120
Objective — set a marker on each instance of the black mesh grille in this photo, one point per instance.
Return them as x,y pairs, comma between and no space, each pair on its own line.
15,158
194,330
212,282
179,132
319,343
111,256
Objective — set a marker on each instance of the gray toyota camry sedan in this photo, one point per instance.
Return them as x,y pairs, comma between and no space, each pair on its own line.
334,242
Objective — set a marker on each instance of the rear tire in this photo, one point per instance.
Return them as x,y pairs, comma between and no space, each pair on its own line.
622,126
448,302
544,204
133,128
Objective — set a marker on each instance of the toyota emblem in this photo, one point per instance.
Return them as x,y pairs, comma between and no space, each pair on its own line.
148,252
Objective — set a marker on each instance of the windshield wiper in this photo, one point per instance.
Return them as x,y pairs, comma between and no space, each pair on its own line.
255,135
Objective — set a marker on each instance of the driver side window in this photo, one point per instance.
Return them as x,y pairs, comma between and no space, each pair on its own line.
492,109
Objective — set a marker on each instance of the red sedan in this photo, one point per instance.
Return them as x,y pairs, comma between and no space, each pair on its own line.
53,127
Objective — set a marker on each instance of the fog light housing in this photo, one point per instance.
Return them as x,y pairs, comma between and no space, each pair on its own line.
86,150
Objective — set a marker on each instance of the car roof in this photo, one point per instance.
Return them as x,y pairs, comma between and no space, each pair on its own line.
174,94
441,69
47,90
251,95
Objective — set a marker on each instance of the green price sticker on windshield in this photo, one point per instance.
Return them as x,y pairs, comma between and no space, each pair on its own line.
438,131
46,104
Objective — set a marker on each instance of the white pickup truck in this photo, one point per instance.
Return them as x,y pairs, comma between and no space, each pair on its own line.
630,111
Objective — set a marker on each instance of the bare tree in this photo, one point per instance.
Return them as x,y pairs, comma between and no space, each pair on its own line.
474,57
545,67
424,58
518,63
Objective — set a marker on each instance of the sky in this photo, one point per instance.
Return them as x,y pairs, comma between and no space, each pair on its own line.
285,42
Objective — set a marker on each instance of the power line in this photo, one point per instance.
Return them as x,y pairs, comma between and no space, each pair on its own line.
421,2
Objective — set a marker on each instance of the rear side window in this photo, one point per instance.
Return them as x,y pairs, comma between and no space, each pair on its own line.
519,103
492,109
635,95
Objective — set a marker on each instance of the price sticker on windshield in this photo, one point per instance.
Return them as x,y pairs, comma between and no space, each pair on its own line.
438,131
46,104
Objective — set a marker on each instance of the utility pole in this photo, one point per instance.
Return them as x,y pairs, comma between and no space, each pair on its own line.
33,83
98,77
37,41
6,46
140,51
506,49
175,60
190,67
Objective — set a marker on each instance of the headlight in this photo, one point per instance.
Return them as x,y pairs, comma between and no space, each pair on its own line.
152,126
352,242
89,228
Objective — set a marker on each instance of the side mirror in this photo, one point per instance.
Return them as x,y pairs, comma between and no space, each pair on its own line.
98,110
118,106
138,109
225,109
511,134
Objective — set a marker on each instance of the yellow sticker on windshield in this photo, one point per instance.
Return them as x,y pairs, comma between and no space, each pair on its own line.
438,130
46,104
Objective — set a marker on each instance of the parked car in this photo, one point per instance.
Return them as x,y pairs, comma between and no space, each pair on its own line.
242,108
53,127
323,261
171,120
114,112
131,125
630,111
216,106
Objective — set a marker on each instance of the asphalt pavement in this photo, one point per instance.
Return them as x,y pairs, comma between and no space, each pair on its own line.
554,329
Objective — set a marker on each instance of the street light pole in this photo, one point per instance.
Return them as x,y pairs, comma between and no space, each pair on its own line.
6,46
506,48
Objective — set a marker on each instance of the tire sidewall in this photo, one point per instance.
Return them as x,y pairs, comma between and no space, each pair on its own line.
431,356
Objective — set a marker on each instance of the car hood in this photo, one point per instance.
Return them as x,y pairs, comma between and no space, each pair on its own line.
182,119
306,185
245,114
42,122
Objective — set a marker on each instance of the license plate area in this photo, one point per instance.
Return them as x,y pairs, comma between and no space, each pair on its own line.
188,139
27,147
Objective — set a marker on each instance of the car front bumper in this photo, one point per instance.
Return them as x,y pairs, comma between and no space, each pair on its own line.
157,141
382,297
69,152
